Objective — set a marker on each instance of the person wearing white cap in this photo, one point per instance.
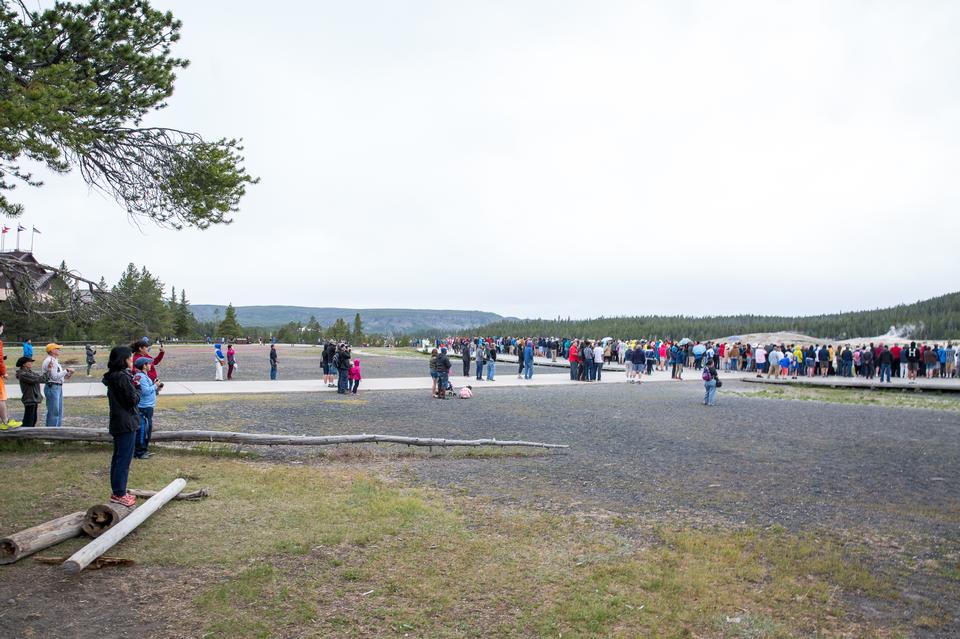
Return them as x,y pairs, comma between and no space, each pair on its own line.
53,390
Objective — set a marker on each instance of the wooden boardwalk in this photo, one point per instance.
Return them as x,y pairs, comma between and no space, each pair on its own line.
901,384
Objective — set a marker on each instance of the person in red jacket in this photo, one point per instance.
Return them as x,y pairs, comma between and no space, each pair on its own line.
574,358
141,348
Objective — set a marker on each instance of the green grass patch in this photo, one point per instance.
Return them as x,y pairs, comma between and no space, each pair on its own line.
333,551
98,407
893,398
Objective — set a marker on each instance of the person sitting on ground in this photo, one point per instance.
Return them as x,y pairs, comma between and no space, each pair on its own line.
466,392
122,397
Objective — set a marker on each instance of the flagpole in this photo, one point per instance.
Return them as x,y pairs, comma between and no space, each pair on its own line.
18,236
33,234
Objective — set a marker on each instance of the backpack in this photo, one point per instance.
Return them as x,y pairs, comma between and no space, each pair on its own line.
706,375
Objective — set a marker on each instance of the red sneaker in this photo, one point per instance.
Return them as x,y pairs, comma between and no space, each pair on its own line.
127,500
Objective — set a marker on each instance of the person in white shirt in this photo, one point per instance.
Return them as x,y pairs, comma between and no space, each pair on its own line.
760,357
53,389
598,359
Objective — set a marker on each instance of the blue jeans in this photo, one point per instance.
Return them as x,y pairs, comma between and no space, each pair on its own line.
710,396
343,385
527,370
123,445
598,368
145,431
491,370
480,370
573,370
442,380
54,395
273,371
884,371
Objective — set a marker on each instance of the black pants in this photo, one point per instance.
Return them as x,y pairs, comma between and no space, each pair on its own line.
356,384
29,415
466,368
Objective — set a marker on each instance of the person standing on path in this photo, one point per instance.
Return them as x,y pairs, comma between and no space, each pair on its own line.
354,376
329,351
528,360
53,390
123,397
273,361
491,363
573,358
710,382
481,358
342,362
599,355
886,364
231,361
443,373
465,355
219,361
434,375
91,353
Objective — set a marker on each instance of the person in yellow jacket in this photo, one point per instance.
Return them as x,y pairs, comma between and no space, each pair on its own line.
5,423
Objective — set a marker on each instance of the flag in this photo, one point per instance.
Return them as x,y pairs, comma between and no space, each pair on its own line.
36,231
20,227
5,230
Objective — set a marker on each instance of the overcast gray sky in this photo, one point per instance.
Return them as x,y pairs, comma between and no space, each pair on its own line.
558,158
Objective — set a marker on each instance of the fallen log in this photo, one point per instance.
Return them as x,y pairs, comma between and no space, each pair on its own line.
102,517
96,564
195,495
82,558
26,542
226,437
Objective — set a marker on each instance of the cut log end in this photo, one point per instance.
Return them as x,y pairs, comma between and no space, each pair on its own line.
100,518
9,551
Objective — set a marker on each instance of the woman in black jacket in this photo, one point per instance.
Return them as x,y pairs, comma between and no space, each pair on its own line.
123,397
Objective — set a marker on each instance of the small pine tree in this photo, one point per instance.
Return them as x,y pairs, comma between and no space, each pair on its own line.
357,336
229,327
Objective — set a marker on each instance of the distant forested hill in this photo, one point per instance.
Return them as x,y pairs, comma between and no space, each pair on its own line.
936,318
385,321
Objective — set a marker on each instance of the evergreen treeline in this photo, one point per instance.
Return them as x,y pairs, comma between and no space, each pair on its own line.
936,318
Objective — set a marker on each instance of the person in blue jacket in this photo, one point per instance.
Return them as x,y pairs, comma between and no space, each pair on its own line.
528,360
148,401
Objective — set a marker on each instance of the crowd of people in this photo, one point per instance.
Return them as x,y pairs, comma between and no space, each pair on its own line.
587,357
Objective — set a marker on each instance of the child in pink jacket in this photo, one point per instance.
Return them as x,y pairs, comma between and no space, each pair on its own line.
353,375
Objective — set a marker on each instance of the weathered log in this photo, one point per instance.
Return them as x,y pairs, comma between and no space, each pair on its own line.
195,495
101,517
96,564
26,542
82,558
98,435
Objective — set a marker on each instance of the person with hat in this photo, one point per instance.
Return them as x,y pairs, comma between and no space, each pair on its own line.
53,390
5,423
141,348
148,401
30,394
